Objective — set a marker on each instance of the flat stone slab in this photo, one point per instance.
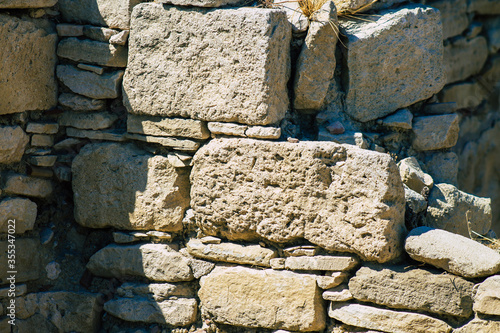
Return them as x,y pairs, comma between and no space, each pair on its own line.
174,143
453,253
399,287
382,49
81,103
90,84
105,135
435,132
201,3
27,63
27,3
28,186
92,52
157,126
464,58
234,68
487,298
156,262
227,129
22,211
13,141
231,252
329,194
338,294
478,325
139,191
262,298
91,120
385,320
322,263
155,291
42,128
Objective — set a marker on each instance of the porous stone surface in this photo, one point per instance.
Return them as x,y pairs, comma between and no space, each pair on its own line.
157,126
81,103
198,266
333,279
276,300
261,132
27,64
295,16
137,191
235,68
385,320
27,3
106,13
383,49
321,263
247,189
414,200
487,298
478,325
435,132
338,294
464,58
90,84
27,265
201,3
316,62
28,186
156,262
401,119
155,291
93,52
13,141
401,287
22,211
453,16
227,129
453,253
231,252
413,176
93,121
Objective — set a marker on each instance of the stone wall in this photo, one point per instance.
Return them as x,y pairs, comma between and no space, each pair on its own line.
226,166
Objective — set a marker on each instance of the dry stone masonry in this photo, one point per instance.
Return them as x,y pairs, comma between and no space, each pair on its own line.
226,166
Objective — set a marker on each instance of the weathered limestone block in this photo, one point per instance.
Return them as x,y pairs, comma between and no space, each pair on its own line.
333,279
93,121
262,298
27,62
136,190
13,142
28,186
487,298
385,320
322,263
479,326
27,260
22,211
295,16
231,252
465,94
443,167
338,197
338,294
464,58
175,312
90,84
198,266
415,201
81,103
201,3
42,128
107,13
401,119
435,132
388,48
316,62
260,132
93,52
27,3
229,65
175,143
69,30
453,16
413,176
105,135
350,138
42,140
227,129
454,253
402,288
155,291
157,126
65,311
156,262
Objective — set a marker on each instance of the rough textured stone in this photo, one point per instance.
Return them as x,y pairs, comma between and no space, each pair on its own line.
274,301
199,267
352,6
81,103
43,161
27,260
401,119
415,201
90,84
295,16
401,287
27,3
464,58
443,167
137,191
13,142
350,138
321,263
201,3
42,128
99,33
235,68
65,311
479,326
69,30
386,320
155,291
110,13
157,126
231,252
383,49
487,298
316,62
91,68
338,294
246,189
465,94
93,121
106,135
92,52
175,312
42,140
301,250
120,38
28,186
22,211
157,262
178,144
413,176
458,212
227,129
435,132
332,280
27,64
453,16
453,253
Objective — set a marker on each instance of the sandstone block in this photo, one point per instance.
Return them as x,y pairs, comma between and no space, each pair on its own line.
453,16
321,263
338,197
464,58
92,52
105,135
383,49
231,252
435,132
338,294
157,126
81,103
99,33
137,191
42,140
155,291
199,267
413,176
479,326
27,64
27,260
13,142
227,129
27,3
260,132
174,143
28,186
156,262
332,280
120,38
219,76
42,128
22,211
451,252
487,298
443,167
385,320
400,119
402,288
93,121
262,298
90,84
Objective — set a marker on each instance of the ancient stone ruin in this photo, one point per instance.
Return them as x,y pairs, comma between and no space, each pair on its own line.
227,166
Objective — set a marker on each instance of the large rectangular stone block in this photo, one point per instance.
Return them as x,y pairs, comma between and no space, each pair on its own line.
393,60
229,65
339,197
27,62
